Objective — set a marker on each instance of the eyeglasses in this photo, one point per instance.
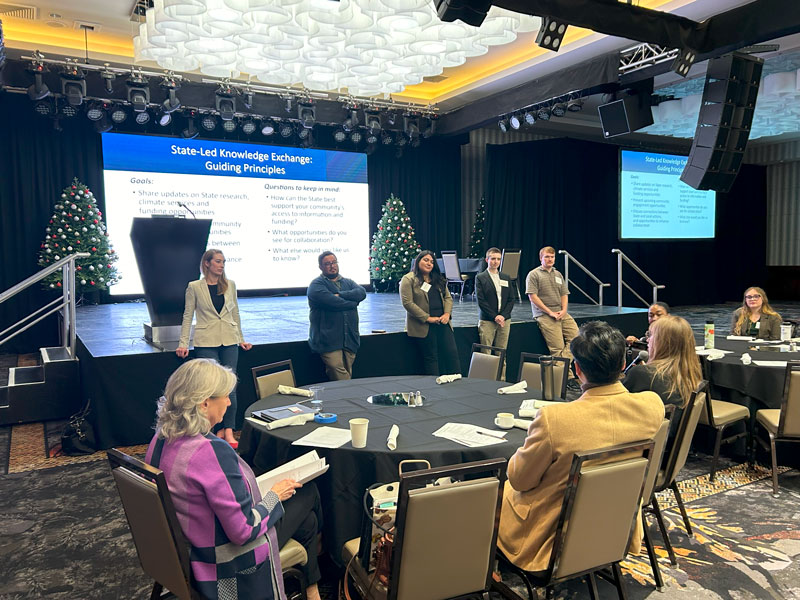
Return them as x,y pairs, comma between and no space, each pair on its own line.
330,264
753,297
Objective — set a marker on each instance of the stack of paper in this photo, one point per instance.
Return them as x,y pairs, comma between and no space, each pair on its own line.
324,437
470,435
302,469
530,408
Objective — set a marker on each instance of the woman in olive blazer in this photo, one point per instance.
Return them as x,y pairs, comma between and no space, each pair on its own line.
428,305
218,332
755,316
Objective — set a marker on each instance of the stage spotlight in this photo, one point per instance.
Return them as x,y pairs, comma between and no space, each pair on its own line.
44,107
39,89
543,114
103,125
339,135
307,113
74,90
171,102
559,109
575,105
142,118
208,122
267,127
430,127
373,122
190,130
684,61
138,92
229,126
95,111
371,138
356,136
351,121
411,127
514,121
66,109
285,129
118,114
226,106
391,118
386,138
401,140
302,131
530,117
551,33
248,126
247,98
108,78
503,125
163,118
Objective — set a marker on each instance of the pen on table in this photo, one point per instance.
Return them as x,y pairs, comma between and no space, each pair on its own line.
497,435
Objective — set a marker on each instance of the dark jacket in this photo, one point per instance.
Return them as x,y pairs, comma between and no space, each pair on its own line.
770,328
487,297
334,319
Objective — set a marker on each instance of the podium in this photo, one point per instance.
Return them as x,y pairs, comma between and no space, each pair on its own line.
168,252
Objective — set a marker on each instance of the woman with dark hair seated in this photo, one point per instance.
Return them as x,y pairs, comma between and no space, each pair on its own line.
235,534
654,313
755,317
673,369
428,305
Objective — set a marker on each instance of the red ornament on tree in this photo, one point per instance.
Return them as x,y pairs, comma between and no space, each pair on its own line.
91,283
58,284
94,249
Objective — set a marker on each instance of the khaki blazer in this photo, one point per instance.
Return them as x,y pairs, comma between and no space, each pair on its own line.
537,473
212,328
415,301
770,328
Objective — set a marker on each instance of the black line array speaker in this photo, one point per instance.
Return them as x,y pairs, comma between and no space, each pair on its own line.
723,126
627,114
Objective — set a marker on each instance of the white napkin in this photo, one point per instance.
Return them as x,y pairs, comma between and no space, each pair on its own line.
741,338
293,391
293,420
746,359
391,441
517,388
448,378
714,354
522,423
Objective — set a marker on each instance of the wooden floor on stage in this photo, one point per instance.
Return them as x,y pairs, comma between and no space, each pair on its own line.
116,329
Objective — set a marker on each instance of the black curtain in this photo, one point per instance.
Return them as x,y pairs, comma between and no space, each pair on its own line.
37,161
428,181
565,193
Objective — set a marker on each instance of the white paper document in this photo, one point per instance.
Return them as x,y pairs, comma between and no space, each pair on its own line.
324,437
770,363
473,436
529,408
742,338
301,469
701,351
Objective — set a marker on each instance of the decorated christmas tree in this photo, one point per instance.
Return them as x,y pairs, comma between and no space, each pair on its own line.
477,239
77,226
393,245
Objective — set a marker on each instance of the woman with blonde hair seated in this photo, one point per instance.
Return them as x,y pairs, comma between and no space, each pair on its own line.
755,317
235,534
673,369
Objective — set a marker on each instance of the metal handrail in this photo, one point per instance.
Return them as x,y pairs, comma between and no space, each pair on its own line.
66,305
600,284
620,283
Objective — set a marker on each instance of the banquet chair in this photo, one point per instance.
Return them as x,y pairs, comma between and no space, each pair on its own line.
267,378
453,272
487,362
509,265
659,445
162,548
596,522
718,415
531,371
783,424
444,538
677,453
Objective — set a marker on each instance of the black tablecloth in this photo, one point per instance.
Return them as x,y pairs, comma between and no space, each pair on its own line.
351,470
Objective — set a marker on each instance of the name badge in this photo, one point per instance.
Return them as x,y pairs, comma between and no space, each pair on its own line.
558,280
758,324
503,283
425,286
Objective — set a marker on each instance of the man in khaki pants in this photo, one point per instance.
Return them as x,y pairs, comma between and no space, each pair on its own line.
547,291
495,303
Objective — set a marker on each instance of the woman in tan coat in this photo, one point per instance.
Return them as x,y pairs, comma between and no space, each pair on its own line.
428,305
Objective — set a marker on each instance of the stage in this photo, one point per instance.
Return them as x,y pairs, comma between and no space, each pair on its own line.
123,375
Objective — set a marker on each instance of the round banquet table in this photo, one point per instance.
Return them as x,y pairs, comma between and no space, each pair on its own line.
352,470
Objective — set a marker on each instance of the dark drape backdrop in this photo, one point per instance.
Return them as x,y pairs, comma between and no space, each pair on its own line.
428,181
564,193
36,163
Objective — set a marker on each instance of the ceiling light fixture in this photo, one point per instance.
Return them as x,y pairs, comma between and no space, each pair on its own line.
208,122
307,113
559,109
543,114
529,116
267,127
118,114
514,121
551,33
503,125
138,91
73,84
190,130
285,129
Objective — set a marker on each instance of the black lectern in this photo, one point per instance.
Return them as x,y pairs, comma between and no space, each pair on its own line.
168,252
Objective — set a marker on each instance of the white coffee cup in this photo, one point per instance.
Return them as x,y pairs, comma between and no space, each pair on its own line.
358,432
504,420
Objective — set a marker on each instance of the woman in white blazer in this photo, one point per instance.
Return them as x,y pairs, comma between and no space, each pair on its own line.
218,332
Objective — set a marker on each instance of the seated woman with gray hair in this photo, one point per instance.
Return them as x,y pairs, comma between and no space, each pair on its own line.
234,532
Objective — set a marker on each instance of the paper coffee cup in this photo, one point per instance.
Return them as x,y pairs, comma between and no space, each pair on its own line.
358,432
504,420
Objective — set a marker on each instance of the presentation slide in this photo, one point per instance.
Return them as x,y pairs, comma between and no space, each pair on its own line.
656,204
273,209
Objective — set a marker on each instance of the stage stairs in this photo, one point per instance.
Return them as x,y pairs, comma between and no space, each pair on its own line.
47,391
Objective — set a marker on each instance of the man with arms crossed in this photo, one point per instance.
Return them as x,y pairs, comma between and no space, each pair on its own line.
495,303
547,290
605,415
333,331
